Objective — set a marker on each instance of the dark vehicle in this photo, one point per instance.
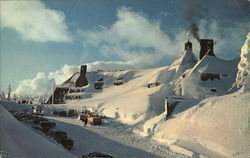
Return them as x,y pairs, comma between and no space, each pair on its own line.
46,125
36,120
119,81
62,138
24,115
18,114
38,127
62,113
97,155
56,113
72,112
27,118
99,84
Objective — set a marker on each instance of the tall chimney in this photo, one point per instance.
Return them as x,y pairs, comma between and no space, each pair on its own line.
207,47
83,69
82,80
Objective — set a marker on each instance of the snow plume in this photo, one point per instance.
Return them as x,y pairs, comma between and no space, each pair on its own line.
134,39
33,21
39,85
243,76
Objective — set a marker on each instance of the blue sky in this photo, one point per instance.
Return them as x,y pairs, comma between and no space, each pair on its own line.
45,36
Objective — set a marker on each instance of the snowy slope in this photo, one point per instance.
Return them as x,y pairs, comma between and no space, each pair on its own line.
129,102
216,127
133,102
17,140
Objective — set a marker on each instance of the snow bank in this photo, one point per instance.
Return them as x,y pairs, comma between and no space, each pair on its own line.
17,140
216,127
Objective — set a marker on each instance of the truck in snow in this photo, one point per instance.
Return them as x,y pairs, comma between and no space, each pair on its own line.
92,118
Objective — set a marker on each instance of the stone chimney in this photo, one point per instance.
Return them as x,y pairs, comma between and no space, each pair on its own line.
83,70
82,80
207,47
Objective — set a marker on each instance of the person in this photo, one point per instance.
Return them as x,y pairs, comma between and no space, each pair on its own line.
85,121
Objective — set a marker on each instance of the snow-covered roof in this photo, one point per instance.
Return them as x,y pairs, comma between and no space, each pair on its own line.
75,94
71,81
214,65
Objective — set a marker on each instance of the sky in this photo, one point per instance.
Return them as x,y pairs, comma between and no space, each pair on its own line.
43,42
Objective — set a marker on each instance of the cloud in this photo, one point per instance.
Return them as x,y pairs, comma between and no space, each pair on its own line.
34,87
133,38
33,21
228,39
43,83
66,71
63,73
109,65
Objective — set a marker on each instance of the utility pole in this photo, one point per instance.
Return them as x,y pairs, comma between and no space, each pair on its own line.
9,93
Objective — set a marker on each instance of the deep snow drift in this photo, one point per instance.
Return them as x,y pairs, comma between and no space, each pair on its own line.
17,140
215,127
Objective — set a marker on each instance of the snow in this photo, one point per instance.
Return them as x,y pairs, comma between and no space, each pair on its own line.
17,140
191,84
111,137
70,82
133,102
243,75
186,61
216,127
204,124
